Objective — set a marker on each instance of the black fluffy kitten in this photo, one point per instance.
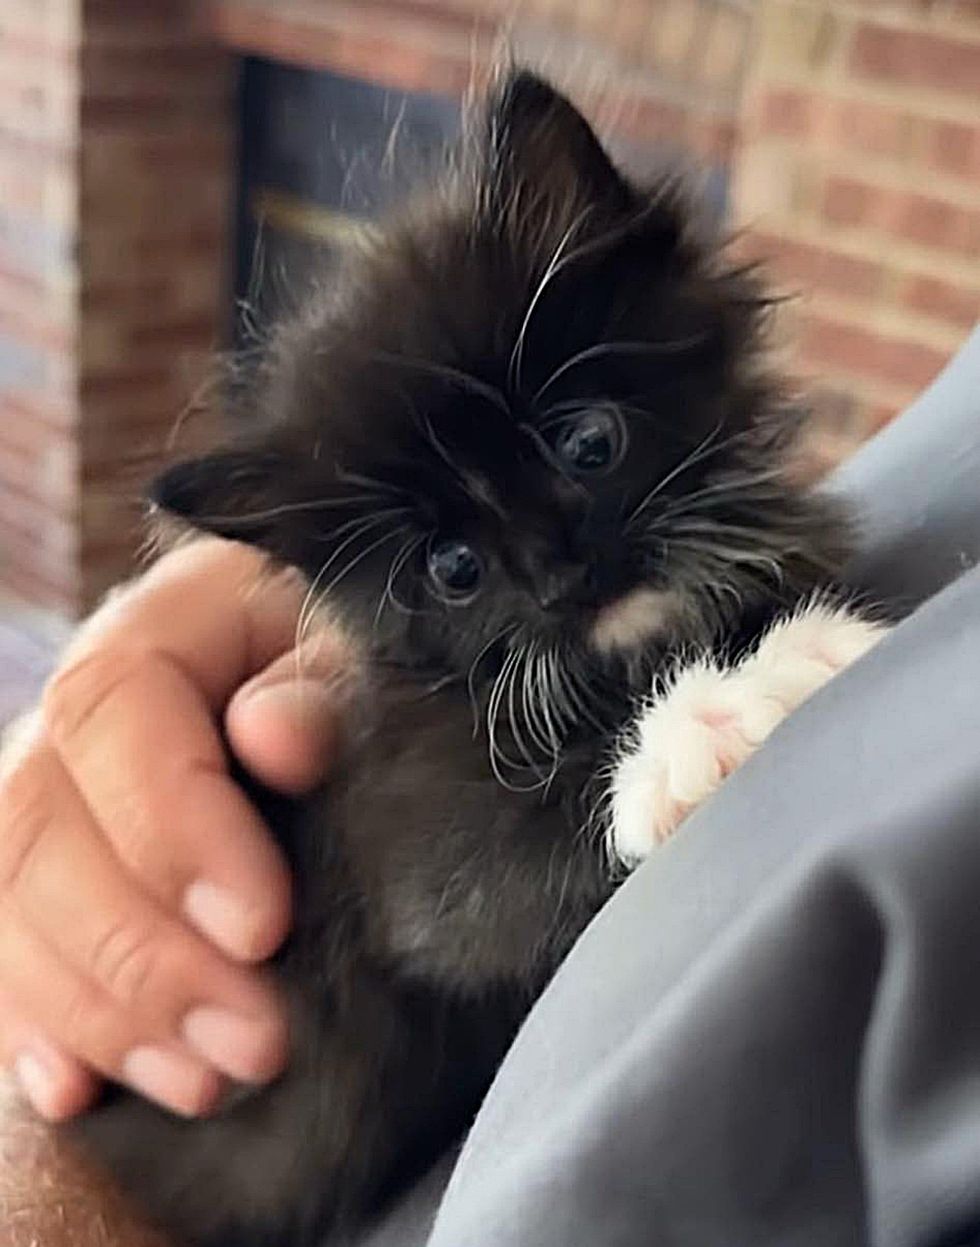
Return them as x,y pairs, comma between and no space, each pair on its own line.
527,451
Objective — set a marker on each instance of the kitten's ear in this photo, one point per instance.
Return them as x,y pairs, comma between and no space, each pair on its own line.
241,494
536,141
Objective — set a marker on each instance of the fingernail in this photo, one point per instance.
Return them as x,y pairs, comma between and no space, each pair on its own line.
247,1049
221,916
37,1082
170,1079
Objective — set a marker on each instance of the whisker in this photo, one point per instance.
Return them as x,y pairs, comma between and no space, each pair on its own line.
289,508
579,698
358,520
696,455
725,489
555,265
370,482
474,666
534,697
457,376
497,755
515,727
310,601
402,555
360,557
610,348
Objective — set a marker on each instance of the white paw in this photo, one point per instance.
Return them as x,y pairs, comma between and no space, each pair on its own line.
710,719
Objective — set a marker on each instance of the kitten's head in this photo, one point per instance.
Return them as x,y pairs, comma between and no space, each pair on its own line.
528,427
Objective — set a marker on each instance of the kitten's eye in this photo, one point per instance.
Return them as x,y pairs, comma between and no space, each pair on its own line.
455,569
592,442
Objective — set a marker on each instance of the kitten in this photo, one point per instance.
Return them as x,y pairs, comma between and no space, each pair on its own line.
527,451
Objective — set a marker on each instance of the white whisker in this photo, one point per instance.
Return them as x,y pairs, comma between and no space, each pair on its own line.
555,265
464,380
474,667
360,557
288,508
311,601
402,555
724,490
703,448
611,348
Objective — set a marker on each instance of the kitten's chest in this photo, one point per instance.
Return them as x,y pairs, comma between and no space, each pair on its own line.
459,878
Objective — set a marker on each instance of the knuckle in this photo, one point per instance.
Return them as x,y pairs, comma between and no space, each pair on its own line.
75,694
87,1029
80,1025
125,961
25,817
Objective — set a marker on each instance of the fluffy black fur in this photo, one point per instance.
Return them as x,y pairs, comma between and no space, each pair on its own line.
535,393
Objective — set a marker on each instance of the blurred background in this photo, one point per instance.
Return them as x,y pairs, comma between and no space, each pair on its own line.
169,168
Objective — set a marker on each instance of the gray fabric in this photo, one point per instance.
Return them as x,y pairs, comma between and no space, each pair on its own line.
916,489
772,1034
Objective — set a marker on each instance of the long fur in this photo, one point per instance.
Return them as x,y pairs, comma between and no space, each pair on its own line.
430,411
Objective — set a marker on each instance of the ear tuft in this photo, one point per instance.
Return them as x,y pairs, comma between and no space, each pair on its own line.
537,141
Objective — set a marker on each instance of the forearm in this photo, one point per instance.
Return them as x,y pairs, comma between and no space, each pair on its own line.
49,1197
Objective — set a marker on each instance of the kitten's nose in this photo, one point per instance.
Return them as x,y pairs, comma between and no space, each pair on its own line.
560,583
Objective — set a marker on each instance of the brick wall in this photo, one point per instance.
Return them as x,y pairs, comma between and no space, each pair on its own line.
39,41
155,186
852,128
859,174
115,127
672,69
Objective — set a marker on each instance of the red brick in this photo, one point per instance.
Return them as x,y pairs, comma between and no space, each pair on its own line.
786,113
176,334
110,295
392,60
957,305
955,148
821,268
916,59
848,202
658,121
935,223
862,352
924,219
871,128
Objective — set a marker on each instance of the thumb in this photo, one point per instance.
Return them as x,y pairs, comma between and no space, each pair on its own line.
283,723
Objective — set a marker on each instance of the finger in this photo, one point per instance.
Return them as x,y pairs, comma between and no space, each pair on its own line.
142,686
282,724
159,981
54,999
57,1086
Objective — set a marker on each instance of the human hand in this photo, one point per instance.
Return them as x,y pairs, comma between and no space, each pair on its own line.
138,886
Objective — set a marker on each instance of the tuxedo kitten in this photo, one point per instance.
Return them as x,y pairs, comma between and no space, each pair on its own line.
527,451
